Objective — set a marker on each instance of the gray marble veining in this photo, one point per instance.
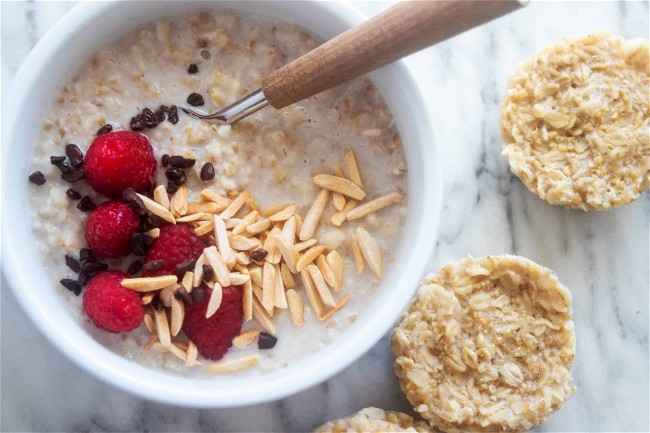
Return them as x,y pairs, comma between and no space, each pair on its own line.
602,257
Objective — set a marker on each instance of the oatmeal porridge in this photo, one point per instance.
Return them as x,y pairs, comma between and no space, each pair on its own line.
310,195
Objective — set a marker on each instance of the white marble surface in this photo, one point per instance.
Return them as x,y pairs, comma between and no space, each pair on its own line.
601,257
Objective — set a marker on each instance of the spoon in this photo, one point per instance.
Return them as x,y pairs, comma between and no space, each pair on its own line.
405,28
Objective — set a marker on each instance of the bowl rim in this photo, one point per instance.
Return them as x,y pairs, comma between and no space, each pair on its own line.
112,371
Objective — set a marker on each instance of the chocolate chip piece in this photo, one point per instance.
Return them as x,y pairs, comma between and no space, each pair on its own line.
154,265
72,263
140,242
259,254
160,115
185,266
104,129
130,197
151,187
198,294
157,304
74,195
75,154
149,117
137,124
173,173
195,100
135,267
164,160
146,221
182,294
86,204
71,285
181,179
193,69
266,341
172,115
207,171
164,109
57,160
181,162
37,178
206,54
208,273
93,267
83,279
73,176
86,254
172,187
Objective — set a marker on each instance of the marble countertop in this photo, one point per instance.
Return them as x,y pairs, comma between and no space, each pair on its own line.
602,257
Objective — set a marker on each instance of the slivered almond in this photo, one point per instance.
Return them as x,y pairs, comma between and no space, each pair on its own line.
234,207
257,291
312,293
153,339
335,263
353,168
252,204
338,172
147,298
344,300
233,365
191,353
166,295
313,216
279,295
296,308
241,243
299,222
339,218
149,320
309,256
287,276
256,275
157,209
215,300
268,286
328,274
304,245
202,206
187,281
178,202
178,314
192,217
370,250
358,257
289,230
154,233
284,214
289,254
198,271
247,300
259,226
221,235
160,196
272,210
162,327
147,284
262,317
204,228
374,205
220,201
246,338
338,200
243,258
215,260
340,185
231,223
321,286
237,279
231,262
270,246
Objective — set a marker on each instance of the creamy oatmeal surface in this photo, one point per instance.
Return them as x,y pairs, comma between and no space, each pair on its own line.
273,154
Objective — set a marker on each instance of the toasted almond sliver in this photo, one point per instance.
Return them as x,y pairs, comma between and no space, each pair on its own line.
192,217
257,291
157,209
245,222
268,286
338,200
270,245
262,317
304,245
289,254
289,230
215,300
198,271
259,226
148,297
233,365
241,243
374,205
187,281
247,300
370,250
161,197
149,320
147,284
279,295
166,294
221,235
178,202
246,338
335,263
287,276
321,286
309,256
339,218
237,279
191,353
243,258
344,300
327,272
256,275
296,308
154,233
178,314
202,206
234,207
162,327
215,260
153,339
221,201
340,185
358,257
312,293
204,228
272,210
313,216
231,223
353,168
284,214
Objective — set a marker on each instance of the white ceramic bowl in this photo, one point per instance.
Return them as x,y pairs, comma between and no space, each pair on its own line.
50,65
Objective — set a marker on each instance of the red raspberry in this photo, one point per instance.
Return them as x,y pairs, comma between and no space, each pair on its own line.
109,229
110,306
118,160
213,336
174,245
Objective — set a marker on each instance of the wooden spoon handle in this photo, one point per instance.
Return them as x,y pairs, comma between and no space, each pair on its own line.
401,30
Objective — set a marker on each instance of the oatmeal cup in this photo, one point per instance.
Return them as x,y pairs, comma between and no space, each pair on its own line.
306,158
372,419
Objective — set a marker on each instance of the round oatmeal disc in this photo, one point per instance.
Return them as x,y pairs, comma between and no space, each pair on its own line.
373,420
487,345
574,121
